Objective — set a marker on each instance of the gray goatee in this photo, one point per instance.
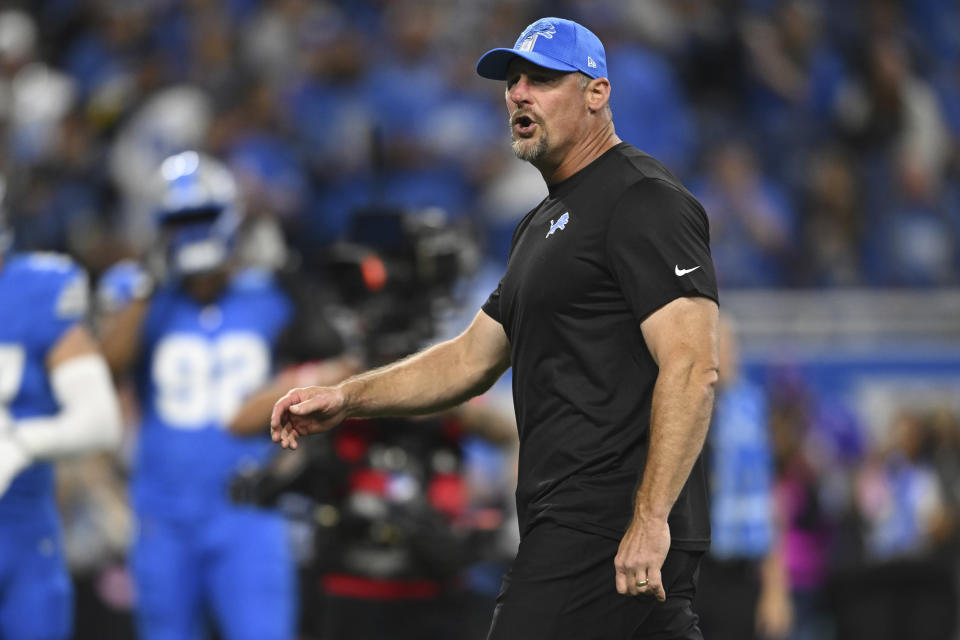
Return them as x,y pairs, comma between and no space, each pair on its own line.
530,152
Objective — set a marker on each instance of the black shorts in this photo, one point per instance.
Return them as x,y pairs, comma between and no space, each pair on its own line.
562,586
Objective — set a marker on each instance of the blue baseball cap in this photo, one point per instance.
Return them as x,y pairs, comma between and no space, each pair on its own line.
553,43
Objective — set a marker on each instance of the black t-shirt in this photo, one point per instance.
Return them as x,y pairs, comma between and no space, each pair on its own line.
607,247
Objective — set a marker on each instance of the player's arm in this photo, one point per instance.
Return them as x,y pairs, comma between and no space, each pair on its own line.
123,293
254,416
120,336
682,339
438,378
89,415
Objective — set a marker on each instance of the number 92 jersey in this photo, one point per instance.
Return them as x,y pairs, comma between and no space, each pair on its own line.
42,295
198,364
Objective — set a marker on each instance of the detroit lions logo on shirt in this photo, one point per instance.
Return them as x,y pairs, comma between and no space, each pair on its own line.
529,37
561,224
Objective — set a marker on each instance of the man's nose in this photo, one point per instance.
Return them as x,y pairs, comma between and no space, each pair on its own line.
519,93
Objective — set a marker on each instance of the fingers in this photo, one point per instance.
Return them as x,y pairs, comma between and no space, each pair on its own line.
304,411
631,581
318,403
283,414
288,436
280,407
282,428
289,439
642,581
654,585
623,583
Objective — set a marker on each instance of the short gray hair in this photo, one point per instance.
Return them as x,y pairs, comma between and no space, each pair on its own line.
584,80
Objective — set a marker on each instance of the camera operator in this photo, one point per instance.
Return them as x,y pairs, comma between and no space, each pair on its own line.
396,522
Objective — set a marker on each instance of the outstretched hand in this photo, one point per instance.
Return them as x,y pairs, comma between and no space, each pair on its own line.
304,411
640,558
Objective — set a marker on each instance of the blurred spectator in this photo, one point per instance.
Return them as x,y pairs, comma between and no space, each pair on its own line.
913,240
333,105
832,223
793,81
743,591
173,119
34,97
328,108
904,590
273,40
751,220
112,51
271,179
899,495
710,53
891,109
807,530
650,108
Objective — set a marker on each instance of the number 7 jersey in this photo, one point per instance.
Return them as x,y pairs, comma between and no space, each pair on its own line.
198,364
42,296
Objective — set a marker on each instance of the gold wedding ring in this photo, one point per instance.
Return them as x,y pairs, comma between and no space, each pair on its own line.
642,583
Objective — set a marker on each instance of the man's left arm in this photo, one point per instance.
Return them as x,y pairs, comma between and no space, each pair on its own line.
682,339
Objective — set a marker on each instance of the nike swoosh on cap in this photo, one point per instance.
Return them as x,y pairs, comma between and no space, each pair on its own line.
682,272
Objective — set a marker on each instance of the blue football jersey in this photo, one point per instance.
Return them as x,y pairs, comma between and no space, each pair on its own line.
42,295
198,365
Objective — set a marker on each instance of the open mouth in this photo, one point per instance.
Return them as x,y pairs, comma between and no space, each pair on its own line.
524,125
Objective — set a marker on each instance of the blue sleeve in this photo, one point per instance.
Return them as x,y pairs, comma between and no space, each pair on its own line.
121,284
61,295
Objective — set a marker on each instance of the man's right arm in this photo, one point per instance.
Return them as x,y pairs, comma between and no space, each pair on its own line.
438,378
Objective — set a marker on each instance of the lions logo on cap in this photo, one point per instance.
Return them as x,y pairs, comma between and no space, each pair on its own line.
529,37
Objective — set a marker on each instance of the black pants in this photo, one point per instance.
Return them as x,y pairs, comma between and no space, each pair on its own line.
562,586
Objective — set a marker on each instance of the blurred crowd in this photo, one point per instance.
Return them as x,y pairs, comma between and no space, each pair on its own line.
820,137
869,515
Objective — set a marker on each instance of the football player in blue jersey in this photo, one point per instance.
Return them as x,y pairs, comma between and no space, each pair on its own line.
56,400
199,341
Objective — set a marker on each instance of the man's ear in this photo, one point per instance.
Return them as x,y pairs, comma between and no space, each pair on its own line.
597,94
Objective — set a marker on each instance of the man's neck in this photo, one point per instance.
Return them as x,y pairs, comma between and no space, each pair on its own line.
592,147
